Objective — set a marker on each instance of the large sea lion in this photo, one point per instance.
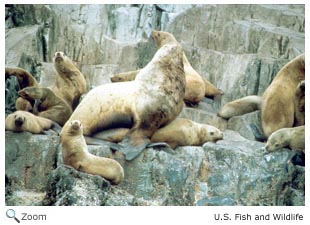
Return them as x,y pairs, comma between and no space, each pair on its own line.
151,101
277,104
51,106
20,121
293,138
75,154
196,86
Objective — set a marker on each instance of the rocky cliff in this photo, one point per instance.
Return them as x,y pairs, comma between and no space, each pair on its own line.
239,48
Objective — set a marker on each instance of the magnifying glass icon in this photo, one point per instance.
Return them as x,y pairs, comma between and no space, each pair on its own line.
10,213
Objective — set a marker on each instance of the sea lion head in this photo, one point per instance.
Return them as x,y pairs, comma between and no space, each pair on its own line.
19,120
161,38
75,127
276,141
211,133
63,63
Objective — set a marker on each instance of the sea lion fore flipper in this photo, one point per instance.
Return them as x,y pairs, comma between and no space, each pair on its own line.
133,144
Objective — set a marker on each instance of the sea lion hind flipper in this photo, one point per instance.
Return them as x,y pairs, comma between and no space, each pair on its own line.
257,134
163,146
132,147
97,141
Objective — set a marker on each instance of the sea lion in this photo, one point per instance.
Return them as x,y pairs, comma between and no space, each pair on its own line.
184,132
278,101
180,132
300,104
125,76
151,101
277,107
24,121
69,84
51,106
24,79
196,86
240,106
293,138
75,154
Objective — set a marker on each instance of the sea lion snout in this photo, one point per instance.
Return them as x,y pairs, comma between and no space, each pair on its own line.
19,121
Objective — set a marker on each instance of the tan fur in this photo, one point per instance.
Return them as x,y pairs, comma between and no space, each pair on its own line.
75,154
184,132
293,138
180,132
277,107
70,83
24,79
24,121
51,107
240,106
125,76
152,100
278,101
196,86
300,104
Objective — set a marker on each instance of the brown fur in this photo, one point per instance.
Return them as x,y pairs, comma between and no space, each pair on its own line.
300,104
24,121
125,76
69,84
24,79
184,132
277,108
278,101
293,138
75,154
240,106
51,107
196,86
152,100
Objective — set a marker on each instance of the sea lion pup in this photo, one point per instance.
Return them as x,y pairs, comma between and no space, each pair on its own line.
184,132
240,106
293,138
70,83
152,100
180,132
196,87
75,154
300,104
24,121
24,79
51,106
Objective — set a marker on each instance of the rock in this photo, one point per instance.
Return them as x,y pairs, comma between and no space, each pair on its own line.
244,175
29,159
241,124
67,186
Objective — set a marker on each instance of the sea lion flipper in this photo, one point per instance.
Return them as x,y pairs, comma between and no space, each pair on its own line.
132,147
97,141
158,144
257,134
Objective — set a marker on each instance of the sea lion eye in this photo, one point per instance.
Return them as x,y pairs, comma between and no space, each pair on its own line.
211,133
